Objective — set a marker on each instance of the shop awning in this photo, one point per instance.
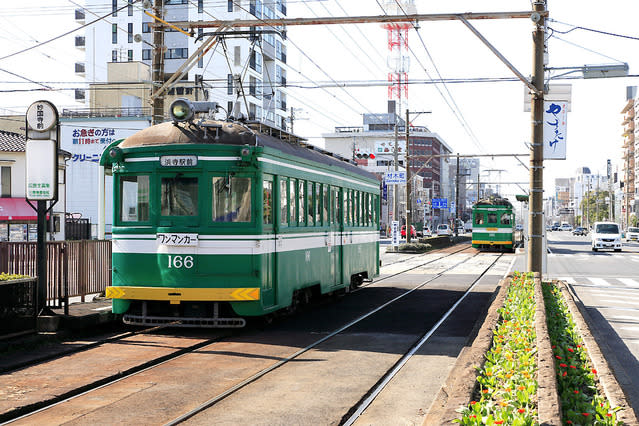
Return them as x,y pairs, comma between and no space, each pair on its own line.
16,209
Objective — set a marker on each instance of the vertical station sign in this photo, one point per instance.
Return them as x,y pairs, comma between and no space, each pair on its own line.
42,151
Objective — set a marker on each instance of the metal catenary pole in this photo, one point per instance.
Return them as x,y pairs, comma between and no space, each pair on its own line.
409,198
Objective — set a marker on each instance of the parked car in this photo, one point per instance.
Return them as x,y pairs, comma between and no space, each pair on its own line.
444,229
519,227
566,227
412,231
580,231
556,228
632,234
548,228
426,232
606,235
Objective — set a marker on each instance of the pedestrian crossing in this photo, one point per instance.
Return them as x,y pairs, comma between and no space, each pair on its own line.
588,256
625,282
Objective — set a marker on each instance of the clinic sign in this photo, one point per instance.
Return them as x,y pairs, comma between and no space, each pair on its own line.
42,151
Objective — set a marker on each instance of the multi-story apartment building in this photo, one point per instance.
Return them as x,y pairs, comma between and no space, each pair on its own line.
629,160
244,74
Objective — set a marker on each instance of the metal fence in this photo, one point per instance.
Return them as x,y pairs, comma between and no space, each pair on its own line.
74,268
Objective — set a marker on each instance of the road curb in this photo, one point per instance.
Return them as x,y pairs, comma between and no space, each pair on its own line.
606,374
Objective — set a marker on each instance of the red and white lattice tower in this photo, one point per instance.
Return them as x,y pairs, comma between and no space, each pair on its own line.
398,60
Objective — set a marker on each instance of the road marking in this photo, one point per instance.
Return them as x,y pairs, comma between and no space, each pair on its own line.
634,259
624,317
620,299
636,328
599,281
629,282
569,280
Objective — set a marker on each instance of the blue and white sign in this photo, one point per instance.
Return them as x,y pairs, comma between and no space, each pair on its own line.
555,130
395,233
440,203
395,177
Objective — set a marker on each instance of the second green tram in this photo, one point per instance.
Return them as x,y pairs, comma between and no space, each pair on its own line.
493,224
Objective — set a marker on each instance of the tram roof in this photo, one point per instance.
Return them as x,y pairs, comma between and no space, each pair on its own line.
494,201
240,134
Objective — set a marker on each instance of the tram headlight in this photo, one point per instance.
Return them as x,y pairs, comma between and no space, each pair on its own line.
115,154
184,110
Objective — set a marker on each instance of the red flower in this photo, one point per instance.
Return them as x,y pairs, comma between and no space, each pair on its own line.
594,371
578,346
572,366
608,415
473,402
568,422
569,350
585,414
563,365
499,422
485,390
522,410
557,356
553,346
576,392
474,416
565,374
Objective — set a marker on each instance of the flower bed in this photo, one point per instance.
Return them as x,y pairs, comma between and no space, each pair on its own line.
8,277
581,400
507,389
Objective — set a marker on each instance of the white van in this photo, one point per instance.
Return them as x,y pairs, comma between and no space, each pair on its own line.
606,235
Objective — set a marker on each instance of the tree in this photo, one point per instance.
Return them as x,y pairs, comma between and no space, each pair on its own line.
595,207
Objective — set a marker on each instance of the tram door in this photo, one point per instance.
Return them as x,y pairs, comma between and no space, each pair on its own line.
270,256
335,255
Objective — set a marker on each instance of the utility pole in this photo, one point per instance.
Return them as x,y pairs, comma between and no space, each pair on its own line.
457,196
158,64
534,261
409,198
396,187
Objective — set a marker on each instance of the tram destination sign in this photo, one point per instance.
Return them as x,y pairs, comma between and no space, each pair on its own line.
178,160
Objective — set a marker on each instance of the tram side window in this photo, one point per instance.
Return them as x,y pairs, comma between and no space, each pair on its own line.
492,217
267,203
325,199
309,204
179,196
134,193
479,218
505,218
335,213
318,204
300,203
283,201
291,203
231,199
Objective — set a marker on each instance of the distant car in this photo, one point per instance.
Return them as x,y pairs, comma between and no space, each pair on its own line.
412,231
468,226
444,229
632,234
426,232
580,231
566,227
519,227
556,228
548,228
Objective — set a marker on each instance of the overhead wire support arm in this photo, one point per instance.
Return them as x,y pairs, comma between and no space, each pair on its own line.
501,57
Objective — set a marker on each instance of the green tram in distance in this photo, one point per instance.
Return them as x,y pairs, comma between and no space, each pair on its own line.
494,224
217,220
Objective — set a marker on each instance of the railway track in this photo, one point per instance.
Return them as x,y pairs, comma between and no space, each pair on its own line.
223,348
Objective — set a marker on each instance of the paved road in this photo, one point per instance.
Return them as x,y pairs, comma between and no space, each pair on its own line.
607,283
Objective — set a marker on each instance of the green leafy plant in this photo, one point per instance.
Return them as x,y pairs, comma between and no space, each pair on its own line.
581,401
506,386
7,277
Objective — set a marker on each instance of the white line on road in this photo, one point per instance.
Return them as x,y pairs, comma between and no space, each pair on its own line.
629,282
624,318
569,280
599,281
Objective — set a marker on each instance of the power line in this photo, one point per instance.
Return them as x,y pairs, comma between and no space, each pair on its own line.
579,27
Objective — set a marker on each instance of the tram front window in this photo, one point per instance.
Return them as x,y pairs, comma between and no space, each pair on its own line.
179,196
134,203
231,199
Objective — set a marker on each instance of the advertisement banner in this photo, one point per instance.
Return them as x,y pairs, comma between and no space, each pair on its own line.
555,130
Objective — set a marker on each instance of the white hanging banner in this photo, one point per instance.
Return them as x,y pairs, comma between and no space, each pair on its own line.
555,115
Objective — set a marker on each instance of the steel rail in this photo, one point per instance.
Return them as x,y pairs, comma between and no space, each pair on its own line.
202,407
398,366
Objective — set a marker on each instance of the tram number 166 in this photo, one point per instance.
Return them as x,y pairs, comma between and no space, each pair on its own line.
178,262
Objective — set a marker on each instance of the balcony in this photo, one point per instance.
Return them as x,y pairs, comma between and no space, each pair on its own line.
79,68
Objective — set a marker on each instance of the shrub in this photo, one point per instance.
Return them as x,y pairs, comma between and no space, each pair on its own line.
6,277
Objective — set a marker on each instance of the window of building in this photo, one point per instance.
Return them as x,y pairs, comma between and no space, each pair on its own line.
129,32
114,33
177,53
146,54
5,181
114,7
129,8
114,56
237,56
229,6
200,6
229,84
134,203
179,196
146,27
129,55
